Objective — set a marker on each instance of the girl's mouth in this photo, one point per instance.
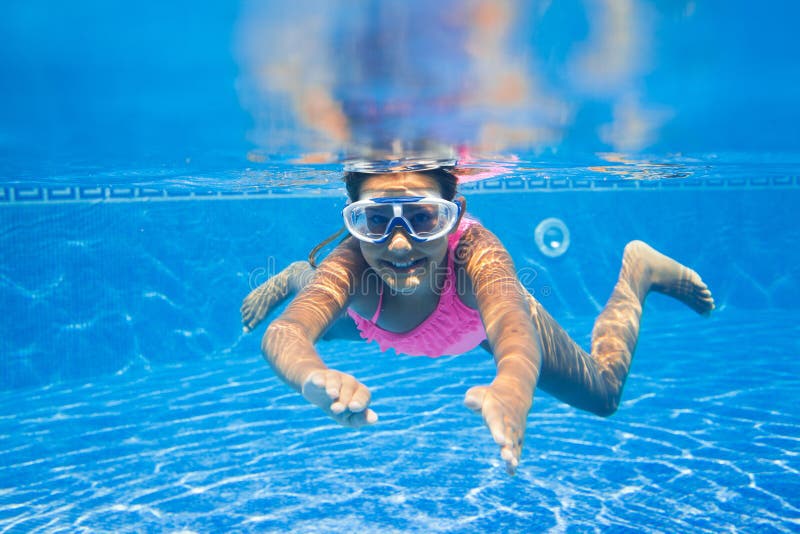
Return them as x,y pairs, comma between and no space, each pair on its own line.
404,267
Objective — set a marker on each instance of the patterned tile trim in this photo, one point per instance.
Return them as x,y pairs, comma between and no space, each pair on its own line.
21,194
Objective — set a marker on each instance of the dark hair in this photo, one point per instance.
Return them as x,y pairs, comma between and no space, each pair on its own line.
353,181
443,176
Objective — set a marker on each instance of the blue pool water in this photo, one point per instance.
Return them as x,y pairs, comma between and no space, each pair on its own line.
705,441
133,403
158,162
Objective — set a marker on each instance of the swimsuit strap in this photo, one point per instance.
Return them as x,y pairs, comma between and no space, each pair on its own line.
452,328
374,319
452,242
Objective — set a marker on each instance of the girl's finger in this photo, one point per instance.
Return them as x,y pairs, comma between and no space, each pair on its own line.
360,399
474,398
348,387
333,385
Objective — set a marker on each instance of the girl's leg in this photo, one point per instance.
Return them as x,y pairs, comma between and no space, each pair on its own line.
594,381
263,299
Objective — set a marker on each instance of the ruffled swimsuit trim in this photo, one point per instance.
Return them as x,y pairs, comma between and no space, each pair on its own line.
453,327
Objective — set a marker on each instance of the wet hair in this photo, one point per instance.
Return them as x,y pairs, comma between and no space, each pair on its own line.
444,177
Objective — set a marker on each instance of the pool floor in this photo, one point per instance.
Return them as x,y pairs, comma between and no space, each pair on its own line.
706,440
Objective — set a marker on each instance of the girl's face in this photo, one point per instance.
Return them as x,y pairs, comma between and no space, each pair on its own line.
402,263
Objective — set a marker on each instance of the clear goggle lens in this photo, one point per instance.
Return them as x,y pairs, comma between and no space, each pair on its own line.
423,219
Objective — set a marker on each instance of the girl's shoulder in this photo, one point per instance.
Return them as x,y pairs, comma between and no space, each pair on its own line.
472,232
478,248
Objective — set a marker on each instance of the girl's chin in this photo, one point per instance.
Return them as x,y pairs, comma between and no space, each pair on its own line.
400,283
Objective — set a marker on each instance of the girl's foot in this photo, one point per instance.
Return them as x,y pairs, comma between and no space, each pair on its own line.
671,278
264,298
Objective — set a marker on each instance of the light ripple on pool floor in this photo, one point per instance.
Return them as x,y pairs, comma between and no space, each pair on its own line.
706,440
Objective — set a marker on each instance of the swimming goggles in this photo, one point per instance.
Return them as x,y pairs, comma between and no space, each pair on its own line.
423,218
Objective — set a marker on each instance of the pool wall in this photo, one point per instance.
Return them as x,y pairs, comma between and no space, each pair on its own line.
119,284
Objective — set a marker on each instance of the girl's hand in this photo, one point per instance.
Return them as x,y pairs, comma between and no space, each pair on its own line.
341,396
505,411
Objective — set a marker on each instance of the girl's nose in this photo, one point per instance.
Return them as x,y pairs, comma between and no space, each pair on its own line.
399,243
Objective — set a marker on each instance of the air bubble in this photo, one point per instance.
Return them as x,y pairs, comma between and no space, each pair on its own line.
552,237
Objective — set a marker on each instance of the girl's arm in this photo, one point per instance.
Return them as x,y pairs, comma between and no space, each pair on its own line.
514,341
288,344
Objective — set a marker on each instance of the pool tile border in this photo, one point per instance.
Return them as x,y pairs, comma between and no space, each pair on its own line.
24,194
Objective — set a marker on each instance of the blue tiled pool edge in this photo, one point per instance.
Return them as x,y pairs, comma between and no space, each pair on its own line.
31,194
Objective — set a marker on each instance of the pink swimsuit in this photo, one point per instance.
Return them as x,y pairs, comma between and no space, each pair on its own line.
453,328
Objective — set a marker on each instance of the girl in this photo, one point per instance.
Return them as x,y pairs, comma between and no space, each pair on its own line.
420,277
